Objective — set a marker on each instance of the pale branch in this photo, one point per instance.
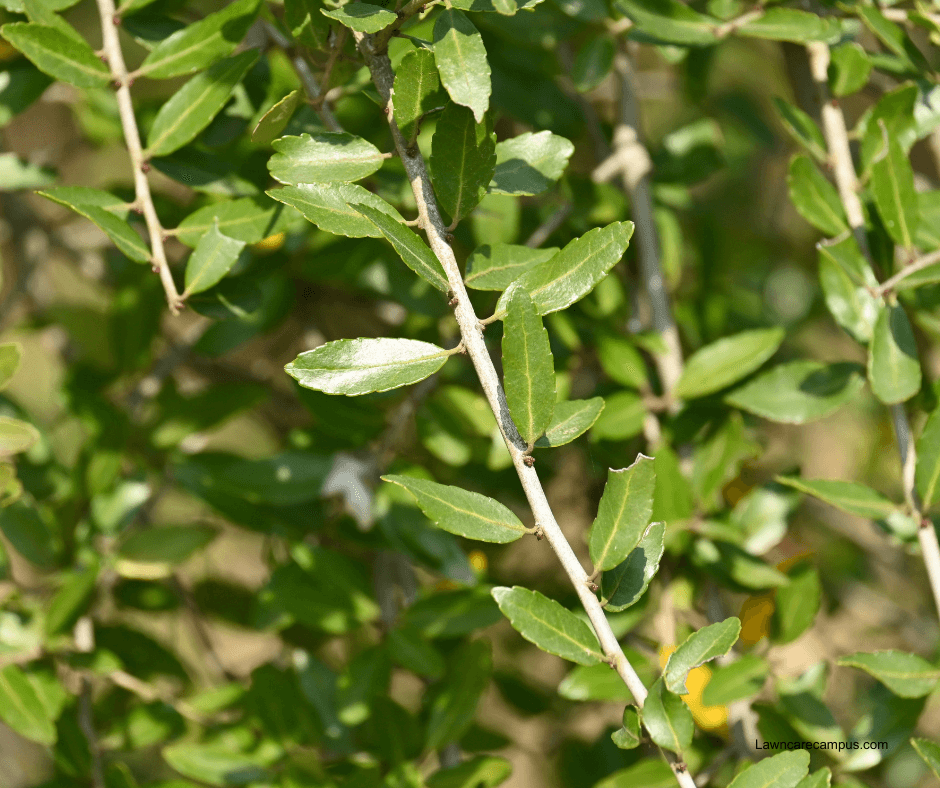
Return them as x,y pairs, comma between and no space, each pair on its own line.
144,200
918,265
383,77
843,168
634,165
545,229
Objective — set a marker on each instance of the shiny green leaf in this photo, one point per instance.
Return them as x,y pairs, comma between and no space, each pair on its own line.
530,163
893,364
363,366
548,625
571,420
496,266
790,24
70,601
799,391
21,708
216,763
849,497
328,206
417,91
906,675
779,771
628,736
929,751
528,367
623,513
323,157
275,120
802,128
670,22
623,585
362,17
463,158
249,219
59,55
483,771
462,512
700,647
892,185
16,436
461,61
726,361
212,259
667,719
815,198
849,69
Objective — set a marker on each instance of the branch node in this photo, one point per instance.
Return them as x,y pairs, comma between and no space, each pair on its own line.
145,167
529,460
116,19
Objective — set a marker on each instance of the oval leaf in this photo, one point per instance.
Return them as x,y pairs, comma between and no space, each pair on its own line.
21,708
892,185
275,120
570,420
928,461
461,61
462,512
16,436
670,22
57,54
363,366
171,544
528,368
628,737
848,497
327,205
452,710
323,157
930,753
212,259
623,513
815,198
463,158
362,17
893,364
530,163
700,647
667,719
906,675
10,355
417,91
726,361
623,585
789,24
780,771
548,625
496,266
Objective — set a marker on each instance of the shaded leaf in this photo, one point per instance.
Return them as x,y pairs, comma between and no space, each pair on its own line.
462,512
496,266
417,91
726,361
815,198
57,54
623,585
670,22
328,206
570,420
893,364
530,163
892,185
789,24
363,366
21,708
548,625
623,513
799,391
927,473
667,719
70,601
849,68
802,128
461,61
700,647
736,681
212,259
362,17
906,675
452,710
249,219
528,367
849,497
593,63
21,83
463,157
797,604
170,544
275,120
323,157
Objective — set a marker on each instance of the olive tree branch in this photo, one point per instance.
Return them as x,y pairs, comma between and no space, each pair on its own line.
840,156
144,201
918,265
470,329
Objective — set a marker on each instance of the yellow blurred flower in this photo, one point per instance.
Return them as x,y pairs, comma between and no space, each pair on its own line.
270,244
708,718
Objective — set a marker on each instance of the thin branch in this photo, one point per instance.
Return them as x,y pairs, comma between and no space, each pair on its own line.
733,25
837,141
545,229
115,60
381,39
382,75
918,265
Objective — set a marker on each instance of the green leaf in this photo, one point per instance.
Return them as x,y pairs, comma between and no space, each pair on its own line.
892,185
216,763
188,111
670,22
21,708
275,120
483,771
413,251
797,603
927,474
815,198
849,69
849,497
16,436
575,270
596,682
327,205
249,219
362,17
548,625
461,62
700,647
799,391
463,158
622,417
851,303
70,601
323,157
462,512
737,681
628,737
906,675
417,91
668,719
170,544
530,163
789,24
893,37
802,128
108,212
593,63
205,174
16,174
409,649
59,55
930,753
363,366
212,259
21,83
649,772
571,419
808,715
29,534
452,710
452,614
621,360
202,43
623,585
10,355
504,7
726,361
779,771
893,364
496,266
735,566
623,513
528,367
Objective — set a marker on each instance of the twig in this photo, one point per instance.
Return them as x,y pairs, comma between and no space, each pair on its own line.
918,265
633,163
382,75
837,142
731,26
144,201
546,228
411,8
85,643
